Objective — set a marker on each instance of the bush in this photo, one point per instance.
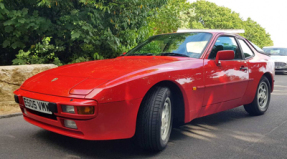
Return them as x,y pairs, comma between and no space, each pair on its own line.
82,30
40,53
79,28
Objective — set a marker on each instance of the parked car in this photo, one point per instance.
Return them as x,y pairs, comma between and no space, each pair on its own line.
168,79
279,55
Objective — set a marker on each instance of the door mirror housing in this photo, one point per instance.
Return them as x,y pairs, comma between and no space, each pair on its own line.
224,55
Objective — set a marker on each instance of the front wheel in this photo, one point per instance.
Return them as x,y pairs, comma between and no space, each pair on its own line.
261,100
155,119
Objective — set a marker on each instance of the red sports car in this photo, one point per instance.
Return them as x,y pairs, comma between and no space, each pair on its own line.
168,79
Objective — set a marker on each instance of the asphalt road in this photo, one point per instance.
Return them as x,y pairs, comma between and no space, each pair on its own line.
229,134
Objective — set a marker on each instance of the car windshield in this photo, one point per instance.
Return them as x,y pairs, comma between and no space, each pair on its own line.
276,51
178,44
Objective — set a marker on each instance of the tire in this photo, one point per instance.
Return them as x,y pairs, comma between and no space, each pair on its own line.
261,100
155,117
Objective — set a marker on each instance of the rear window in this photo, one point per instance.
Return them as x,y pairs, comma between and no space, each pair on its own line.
245,49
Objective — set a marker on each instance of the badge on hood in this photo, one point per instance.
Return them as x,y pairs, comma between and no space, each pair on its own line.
55,79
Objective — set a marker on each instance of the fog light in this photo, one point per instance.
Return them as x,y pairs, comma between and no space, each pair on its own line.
68,109
70,124
86,110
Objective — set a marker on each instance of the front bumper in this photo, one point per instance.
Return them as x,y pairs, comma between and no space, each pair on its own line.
114,120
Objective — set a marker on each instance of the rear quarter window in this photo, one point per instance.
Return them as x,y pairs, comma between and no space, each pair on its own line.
245,49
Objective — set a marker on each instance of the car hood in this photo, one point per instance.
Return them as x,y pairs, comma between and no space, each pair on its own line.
279,58
82,78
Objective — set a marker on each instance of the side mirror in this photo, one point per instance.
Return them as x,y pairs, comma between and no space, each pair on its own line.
224,55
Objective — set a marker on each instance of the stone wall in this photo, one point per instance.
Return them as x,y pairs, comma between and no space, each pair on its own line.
11,78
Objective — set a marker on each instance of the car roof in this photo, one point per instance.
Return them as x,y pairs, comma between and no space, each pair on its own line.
206,31
231,31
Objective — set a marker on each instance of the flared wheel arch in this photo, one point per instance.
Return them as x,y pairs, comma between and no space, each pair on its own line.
178,97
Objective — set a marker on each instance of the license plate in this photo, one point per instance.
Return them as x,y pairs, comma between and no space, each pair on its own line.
37,105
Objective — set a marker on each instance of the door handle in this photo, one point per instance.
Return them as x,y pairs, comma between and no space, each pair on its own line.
242,68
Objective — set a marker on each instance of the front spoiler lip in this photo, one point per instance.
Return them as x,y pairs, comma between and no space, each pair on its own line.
112,123
56,129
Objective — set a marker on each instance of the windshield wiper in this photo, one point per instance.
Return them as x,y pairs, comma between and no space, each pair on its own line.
143,54
173,54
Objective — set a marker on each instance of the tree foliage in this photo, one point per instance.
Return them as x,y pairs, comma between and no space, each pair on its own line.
84,28
255,33
210,16
42,52
171,16
68,31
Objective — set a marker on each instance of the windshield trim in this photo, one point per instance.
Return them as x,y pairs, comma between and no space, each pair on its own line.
153,37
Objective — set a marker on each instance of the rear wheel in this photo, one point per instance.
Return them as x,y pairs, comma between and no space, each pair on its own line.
155,119
261,100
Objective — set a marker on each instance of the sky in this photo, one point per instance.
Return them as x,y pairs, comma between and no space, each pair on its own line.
270,14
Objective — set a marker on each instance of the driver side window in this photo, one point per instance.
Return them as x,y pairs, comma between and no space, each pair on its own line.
225,43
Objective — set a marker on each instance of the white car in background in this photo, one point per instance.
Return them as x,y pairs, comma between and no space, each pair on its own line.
279,55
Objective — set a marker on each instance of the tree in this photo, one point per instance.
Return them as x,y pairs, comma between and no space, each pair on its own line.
210,16
82,30
86,29
173,15
255,33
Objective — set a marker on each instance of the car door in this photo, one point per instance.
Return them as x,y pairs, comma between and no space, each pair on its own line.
225,83
249,55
